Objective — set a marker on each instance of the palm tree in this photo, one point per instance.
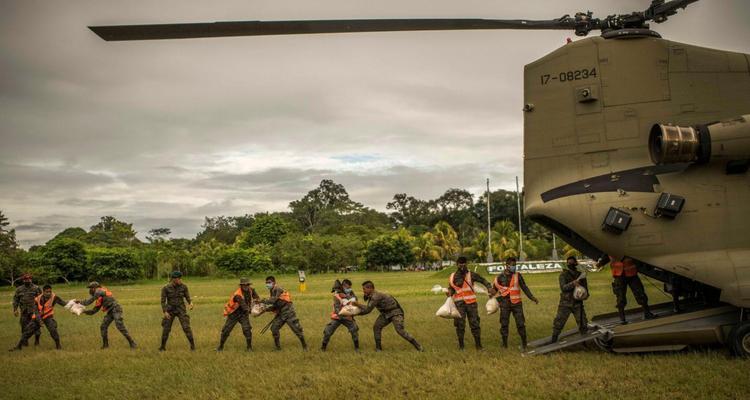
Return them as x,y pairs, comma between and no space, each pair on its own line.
425,250
447,239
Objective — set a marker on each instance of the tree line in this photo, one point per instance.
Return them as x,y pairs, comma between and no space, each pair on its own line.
323,231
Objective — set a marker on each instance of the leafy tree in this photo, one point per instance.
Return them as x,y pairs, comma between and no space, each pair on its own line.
389,250
67,258
158,234
223,229
328,200
446,238
71,233
110,232
237,261
116,264
11,255
267,229
409,211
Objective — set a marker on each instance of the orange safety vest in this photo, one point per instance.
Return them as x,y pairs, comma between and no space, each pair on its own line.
513,289
628,268
464,293
47,309
99,301
285,296
232,305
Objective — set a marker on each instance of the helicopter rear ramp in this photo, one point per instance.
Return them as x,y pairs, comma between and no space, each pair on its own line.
695,326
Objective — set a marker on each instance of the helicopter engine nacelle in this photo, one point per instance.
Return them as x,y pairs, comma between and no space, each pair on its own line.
725,140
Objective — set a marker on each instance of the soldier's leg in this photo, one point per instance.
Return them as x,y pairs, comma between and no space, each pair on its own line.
517,310
351,325
24,321
377,330
296,327
226,330
579,313
247,330
639,292
51,325
166,327
460,323
104,328
619,288
504,322
472,314
563,312
26,334
328,332
185,324
276,325
398,324
37,333
120,324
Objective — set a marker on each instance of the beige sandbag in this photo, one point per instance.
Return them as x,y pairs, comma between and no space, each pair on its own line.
349,310
492,306
257,309
580,293
74,307
448,310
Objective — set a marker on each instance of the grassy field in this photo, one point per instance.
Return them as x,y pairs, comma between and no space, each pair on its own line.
81,370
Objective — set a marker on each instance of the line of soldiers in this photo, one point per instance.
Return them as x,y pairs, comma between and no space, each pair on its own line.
36,307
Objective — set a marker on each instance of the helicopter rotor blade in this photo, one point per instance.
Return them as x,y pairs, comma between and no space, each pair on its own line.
262,28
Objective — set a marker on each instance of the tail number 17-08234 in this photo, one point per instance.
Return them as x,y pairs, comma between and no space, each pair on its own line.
568,76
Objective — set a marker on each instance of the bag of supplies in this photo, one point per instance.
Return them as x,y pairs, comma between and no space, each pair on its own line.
257,309
492,306
349,310
74,307
448,309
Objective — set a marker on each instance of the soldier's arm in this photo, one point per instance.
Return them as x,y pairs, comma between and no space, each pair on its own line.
371,304
525,288
275,293
91,299
16,301
243,304
479,278
93,310
59,300
187,295
254,294
164,299
566,286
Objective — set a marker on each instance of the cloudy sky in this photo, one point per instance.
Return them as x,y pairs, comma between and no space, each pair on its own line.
163,133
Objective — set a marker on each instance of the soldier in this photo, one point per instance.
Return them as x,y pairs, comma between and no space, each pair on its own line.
174,295
45,304
624,274
237,310
103,300
24,299
508,287
281,304
390,312
461,287
342,295
569,279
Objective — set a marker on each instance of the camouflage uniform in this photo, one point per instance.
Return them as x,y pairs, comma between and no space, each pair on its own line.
348,322
507,308
114,314
242,316
469,311
34,326
568,305
173,299
390,312
285,314
24,298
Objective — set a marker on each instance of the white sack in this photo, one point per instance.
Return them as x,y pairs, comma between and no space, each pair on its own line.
257,309
448,309
480,289
74,307
492,306
349,310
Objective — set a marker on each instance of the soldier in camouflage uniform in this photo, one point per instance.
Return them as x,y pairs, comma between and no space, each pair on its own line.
509,299
104,301
624,274
237,310
24,300
342,293
461,287
281,304
174,295
390,312
569,279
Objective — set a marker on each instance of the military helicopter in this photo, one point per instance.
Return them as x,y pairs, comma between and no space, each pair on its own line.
634,146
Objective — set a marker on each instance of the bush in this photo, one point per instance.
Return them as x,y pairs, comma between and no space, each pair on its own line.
114,264
237,261
389,250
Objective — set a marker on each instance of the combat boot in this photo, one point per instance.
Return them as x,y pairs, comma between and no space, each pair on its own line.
131,342
18,347
478,342
416,345
555,337
621,312
163,346
505,342
523,342
277,343
647,314
105,343
222,340
192,343
461,343
57,344
303,343
356,345
323,346
378,345
36,340
249,346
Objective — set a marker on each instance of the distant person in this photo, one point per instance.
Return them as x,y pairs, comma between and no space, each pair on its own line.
104,301
461,288
281,303
237,310
174,295
45,311
508,286
343,294
390,312
569,279
624,274
24,301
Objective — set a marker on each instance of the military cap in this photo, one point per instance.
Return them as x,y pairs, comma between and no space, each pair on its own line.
176,274
93,284
244,281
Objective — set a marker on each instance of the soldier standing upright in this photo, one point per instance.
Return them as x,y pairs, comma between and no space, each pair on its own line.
624,274
461,288
342,294
237,310
390,312
45,311
281,303
24,301
174,295
104,301
569,279
508,286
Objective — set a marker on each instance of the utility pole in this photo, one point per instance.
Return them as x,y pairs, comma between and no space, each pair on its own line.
489,228
520,226
554,248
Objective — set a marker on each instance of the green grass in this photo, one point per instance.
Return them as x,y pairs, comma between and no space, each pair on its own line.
81,370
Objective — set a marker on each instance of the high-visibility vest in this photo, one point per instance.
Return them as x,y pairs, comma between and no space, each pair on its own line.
99,301
513,289
47,309
620,268
341,297
233,305
285,296
464,293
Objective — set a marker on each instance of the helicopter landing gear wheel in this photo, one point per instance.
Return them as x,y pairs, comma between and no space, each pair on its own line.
740,340
604,344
